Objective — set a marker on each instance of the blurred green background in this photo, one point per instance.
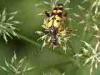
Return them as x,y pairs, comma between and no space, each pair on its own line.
45,61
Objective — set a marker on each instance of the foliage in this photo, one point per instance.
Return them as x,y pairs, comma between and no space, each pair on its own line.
88,53
16,67
7,24
83,19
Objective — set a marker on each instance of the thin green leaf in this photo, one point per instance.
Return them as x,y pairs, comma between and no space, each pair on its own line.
8,34
14,13
5,38
45,2
21,61
3,68
88,60
13,68
30,68
96,65
3,15
88,45
39,32
11,18
15,57
93,5
16,22
76,15
80,7
7,64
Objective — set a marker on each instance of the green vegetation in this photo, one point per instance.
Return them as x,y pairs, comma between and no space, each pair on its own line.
21,53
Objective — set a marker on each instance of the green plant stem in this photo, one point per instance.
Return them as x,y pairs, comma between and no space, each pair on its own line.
28,40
